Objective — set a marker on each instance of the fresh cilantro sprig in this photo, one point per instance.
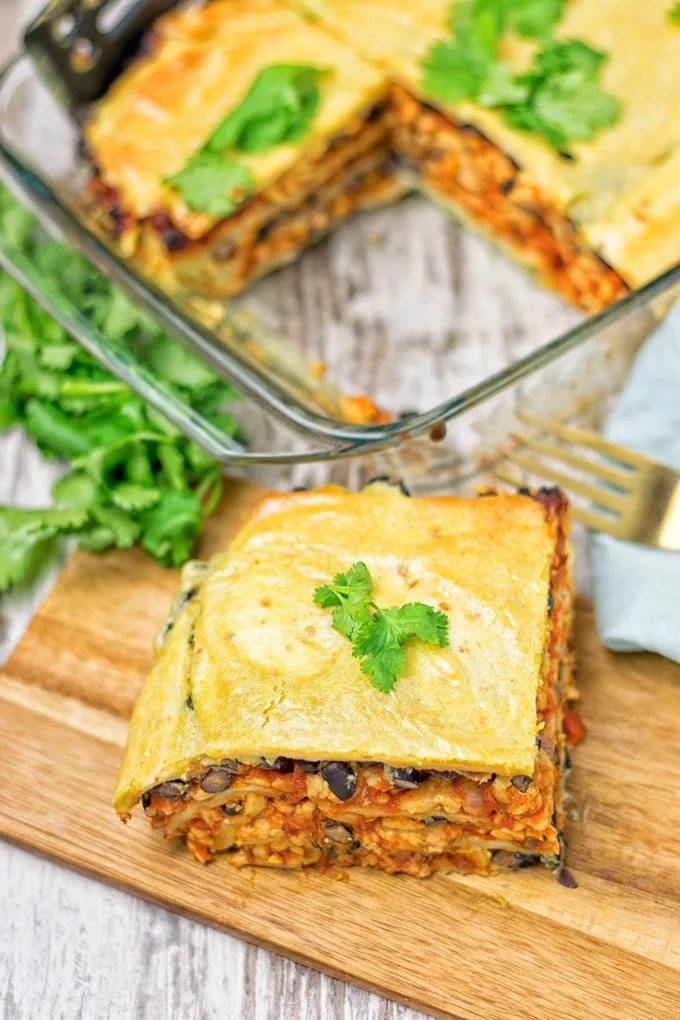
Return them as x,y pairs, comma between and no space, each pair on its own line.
674,14
213,183
558,98
132,477
276,110
378,635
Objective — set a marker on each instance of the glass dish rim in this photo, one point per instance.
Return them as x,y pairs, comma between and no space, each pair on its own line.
343,438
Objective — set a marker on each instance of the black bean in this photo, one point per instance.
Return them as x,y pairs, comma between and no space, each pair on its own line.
565,878
521,783
232,809
551,603
266,229
173,239
522,860
374,112
433,819
216,780
308,766
507,185
341,779
443,774
174,789
146,800
336,832
282,764
403,779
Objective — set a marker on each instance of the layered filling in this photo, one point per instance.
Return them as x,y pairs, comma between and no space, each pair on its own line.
462,169
361,166
291,814
352,170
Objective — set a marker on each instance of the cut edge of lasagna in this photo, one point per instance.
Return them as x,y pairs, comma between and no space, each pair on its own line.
393,140
295,813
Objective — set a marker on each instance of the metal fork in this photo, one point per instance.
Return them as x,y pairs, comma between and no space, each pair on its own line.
637,499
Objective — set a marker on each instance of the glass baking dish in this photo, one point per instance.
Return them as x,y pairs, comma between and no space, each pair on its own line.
402,304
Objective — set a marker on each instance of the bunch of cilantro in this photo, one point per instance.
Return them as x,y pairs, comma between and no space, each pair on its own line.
559,97
377,635
132,476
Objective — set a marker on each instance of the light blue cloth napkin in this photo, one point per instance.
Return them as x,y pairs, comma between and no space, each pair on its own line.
637,589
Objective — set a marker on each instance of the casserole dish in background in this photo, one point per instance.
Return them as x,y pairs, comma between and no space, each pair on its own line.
401,305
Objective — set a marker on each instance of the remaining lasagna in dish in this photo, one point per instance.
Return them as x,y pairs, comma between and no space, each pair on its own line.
555,131
427,738
241,134
247,128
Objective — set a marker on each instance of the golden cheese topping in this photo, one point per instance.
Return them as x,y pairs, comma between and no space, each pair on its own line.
162,110
622,186
268,675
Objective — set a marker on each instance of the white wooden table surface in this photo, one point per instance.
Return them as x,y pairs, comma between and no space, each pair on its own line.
72,948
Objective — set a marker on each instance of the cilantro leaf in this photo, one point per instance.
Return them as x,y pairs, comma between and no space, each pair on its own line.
380,637
213,183
417,619
348,594
533,19
133,498
177,365
453,73
565,101
674,14
378,646
502,87
570,108
276,110
171,527
559,97
377,635
25,536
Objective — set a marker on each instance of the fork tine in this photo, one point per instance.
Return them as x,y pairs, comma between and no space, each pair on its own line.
595,492
591,519
597,522
615,476
582,437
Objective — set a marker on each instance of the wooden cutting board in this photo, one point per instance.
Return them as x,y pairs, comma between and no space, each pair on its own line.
516,947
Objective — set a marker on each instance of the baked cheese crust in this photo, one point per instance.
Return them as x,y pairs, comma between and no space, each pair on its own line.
253,669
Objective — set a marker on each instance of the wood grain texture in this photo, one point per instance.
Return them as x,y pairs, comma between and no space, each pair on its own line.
455,947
